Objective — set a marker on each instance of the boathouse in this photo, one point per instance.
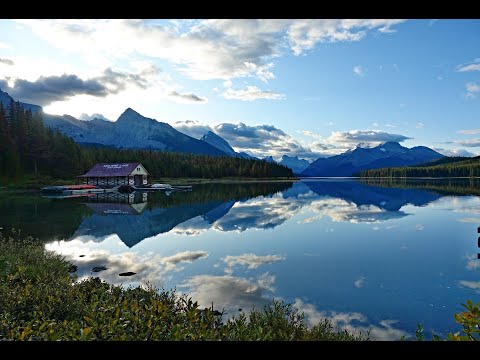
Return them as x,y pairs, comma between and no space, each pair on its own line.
113,174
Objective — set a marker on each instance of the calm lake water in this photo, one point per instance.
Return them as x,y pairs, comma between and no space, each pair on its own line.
382,257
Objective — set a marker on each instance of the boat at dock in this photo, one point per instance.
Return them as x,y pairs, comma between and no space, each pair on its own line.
62,188
163,187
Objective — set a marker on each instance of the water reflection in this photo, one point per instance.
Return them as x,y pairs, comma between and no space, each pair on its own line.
366,256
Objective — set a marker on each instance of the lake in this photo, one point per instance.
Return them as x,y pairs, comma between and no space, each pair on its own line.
381,256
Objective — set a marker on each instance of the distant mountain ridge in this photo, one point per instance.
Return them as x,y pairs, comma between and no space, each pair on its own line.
221,144
352,162
130,131
293,162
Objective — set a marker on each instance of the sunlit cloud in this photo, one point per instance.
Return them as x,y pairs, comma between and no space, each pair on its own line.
229,292
469,132
473,262
6,61
187,98
360,282
250,260
351,321
48,89
251,93
204,49
359,71
474,66
454,152
473,285
472,89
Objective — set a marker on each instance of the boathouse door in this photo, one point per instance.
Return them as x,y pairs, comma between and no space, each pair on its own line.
137,179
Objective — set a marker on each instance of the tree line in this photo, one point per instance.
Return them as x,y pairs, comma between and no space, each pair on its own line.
446,167
28,147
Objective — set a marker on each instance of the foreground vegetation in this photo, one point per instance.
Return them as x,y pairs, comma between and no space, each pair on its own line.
39,301
445,167
29,149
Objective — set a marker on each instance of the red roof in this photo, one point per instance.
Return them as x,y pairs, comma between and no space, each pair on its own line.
111,169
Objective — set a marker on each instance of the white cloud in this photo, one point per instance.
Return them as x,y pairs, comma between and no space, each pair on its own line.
473,66
474,285
419,227
359,71
252,261
204,49
372,137
360,282
251,93
4,45
187,98
419,125
6,61
186,256
473,262
469,132
472,89
351,321
469,142
305,34
454,152
229,292
471,220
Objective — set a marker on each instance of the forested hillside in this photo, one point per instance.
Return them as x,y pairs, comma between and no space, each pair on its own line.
445,167
28,147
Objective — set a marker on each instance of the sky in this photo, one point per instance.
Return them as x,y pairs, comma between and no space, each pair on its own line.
307,88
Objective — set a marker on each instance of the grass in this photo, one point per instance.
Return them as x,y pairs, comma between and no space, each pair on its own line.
40,300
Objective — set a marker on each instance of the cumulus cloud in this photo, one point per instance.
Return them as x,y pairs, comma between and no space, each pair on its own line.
469,142
256,140
473,66
472,89
454,152
229,292
6,61
469,132
359,71
305,34
473,262
187,98
360,282
87,117
474,285
252,261
340,210
204,49
48,89
268,140
150,268
258,213
364,136
186,256
251,93
351,321
192,128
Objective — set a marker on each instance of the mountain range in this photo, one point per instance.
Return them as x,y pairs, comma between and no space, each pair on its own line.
133,130
389,154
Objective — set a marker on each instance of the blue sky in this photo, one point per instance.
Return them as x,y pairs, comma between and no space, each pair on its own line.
270,87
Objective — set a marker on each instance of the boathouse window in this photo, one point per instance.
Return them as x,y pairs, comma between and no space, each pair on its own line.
138,169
